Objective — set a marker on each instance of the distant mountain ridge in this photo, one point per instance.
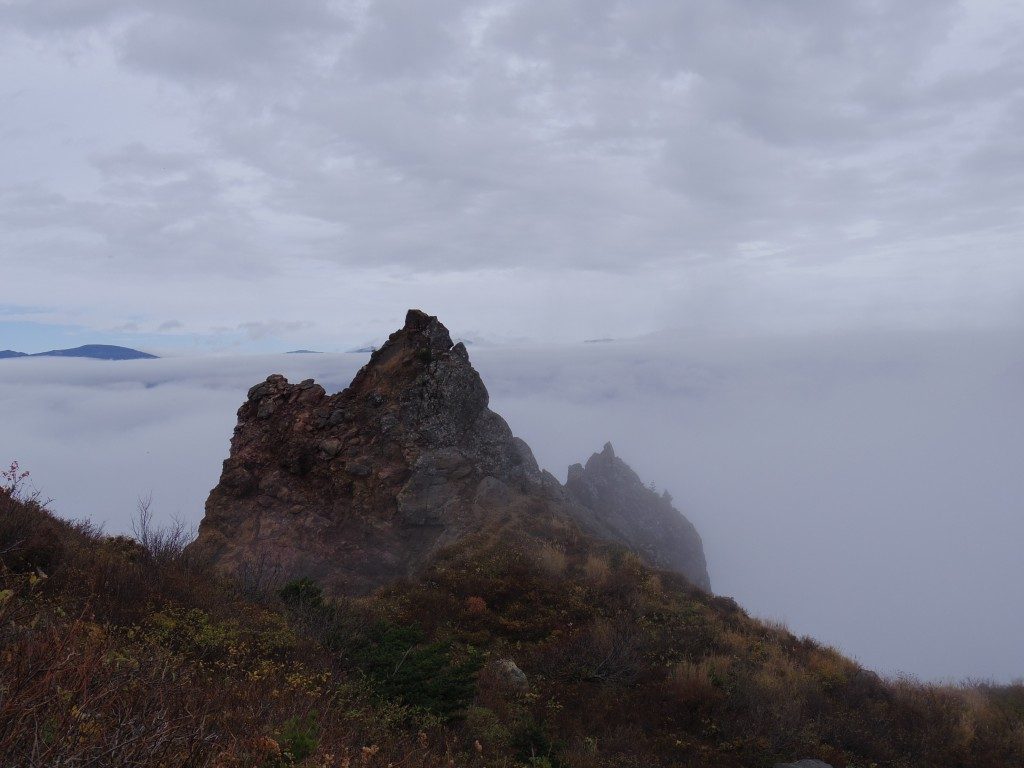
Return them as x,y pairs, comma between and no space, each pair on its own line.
91,351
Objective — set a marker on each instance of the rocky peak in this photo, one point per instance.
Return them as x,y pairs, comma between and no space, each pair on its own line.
361,487
624,509
428,394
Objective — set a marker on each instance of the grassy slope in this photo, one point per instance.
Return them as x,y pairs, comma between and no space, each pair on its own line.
125,654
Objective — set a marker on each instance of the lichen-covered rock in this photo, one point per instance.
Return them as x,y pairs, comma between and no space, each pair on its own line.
362,487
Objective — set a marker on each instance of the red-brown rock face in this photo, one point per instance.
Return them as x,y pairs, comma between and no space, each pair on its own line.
360,488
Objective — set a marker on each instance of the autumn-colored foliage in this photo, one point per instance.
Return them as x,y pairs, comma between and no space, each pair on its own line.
527,645
476,605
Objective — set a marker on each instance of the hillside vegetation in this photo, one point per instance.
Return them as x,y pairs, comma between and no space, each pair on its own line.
527,644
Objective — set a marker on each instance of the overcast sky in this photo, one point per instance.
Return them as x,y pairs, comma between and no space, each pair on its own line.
191,175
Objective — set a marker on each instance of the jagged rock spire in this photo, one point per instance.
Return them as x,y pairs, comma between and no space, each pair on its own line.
361,487
624,509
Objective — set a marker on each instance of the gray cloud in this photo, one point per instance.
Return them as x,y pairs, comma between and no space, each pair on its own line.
863,487
256,330
802,160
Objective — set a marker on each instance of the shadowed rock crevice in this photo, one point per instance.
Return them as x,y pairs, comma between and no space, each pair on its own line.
362,487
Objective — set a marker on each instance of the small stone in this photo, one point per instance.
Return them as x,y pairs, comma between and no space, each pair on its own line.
357,470
512,674
331,447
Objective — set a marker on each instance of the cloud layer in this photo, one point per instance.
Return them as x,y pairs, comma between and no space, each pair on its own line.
733,164
865,488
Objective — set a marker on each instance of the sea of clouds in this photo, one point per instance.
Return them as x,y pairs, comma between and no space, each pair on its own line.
866,489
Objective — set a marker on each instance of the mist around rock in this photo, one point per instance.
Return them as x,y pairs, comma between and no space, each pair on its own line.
865,489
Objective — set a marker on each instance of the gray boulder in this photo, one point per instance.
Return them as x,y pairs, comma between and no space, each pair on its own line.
513,675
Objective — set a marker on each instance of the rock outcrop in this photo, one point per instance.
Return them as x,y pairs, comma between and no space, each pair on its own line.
627,511
362,487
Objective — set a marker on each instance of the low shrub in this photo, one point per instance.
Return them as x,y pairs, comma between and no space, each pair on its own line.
298,737
302,594
427,676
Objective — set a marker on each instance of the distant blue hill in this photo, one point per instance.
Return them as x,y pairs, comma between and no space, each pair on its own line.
93,351
304,352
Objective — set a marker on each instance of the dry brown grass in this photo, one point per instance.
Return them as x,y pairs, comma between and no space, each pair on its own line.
550,560
597,570
654,585
691,684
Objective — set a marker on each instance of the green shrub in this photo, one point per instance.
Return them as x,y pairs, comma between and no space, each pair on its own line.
426,676
485,726
299,736
194,633
531,743
302,593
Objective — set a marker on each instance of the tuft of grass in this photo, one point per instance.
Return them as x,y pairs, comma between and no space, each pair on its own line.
597,570
550,560
692,684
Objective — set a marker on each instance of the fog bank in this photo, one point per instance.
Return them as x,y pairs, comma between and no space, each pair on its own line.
865,489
